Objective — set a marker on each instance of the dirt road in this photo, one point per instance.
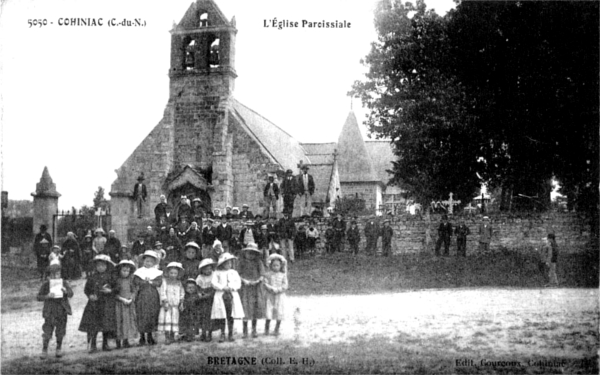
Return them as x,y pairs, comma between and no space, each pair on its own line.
548,322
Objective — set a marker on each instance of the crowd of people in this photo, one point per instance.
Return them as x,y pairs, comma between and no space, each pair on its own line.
182,299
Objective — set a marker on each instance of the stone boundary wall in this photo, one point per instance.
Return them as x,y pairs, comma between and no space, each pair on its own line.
410,232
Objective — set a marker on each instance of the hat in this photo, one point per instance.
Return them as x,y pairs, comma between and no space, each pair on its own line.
263,226
217,210
245,205
126,262
174,265
99,230
197,200
162,196
87,236
192,244
190,281
252,247
304,167
217,243
271,177
55,247
53,268
486,218
224,258
206,262
158,243
141,177
112,231
289,171
124,247
259,216
236,209
226,207
104,258
43,227
386,221
278,257
71,234
150,253
249,222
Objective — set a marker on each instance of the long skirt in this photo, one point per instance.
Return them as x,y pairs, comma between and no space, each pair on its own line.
275,306
126,321
252,297
147,306
168,320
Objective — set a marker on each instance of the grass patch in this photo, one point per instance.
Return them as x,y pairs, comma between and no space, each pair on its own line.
361,355
343,274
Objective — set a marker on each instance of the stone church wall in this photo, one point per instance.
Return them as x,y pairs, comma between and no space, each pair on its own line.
153,157
250,169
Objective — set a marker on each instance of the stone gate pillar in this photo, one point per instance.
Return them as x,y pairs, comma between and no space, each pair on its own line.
45,203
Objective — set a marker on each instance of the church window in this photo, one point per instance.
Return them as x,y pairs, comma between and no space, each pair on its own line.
190,47
214,54
203,19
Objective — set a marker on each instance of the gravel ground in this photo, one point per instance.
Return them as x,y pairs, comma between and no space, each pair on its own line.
523,322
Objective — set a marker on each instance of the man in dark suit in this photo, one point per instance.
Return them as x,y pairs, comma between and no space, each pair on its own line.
306,188
160,212
288,189
271,194
444,236
42,245
139,194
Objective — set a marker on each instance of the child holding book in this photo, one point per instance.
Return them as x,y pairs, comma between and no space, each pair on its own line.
55,293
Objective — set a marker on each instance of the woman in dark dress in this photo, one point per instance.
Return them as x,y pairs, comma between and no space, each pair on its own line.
88,255
71,261
99,314
146,281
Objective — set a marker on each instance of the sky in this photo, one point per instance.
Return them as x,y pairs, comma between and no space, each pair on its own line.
79,99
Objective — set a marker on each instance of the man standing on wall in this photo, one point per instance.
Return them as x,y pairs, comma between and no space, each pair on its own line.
306,188
139,195
288,188
271,194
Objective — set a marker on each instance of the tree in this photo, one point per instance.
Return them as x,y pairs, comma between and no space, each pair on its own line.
99,200
416,102
504,90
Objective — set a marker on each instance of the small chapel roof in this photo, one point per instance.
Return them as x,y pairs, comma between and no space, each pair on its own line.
354,161
282,147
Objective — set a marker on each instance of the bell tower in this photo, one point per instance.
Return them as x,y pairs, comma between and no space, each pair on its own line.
202,77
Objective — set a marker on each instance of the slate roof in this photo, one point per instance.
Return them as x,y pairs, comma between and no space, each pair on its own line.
322,176
354,162
320,153
282,147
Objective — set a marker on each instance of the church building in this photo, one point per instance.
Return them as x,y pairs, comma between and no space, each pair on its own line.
210,146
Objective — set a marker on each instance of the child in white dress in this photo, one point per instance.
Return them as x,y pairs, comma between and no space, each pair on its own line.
172,294
276,284
227,304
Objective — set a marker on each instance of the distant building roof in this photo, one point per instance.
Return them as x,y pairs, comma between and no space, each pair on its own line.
320,153
282,147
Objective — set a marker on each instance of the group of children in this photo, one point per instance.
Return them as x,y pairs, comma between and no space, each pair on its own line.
125,302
